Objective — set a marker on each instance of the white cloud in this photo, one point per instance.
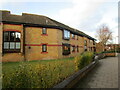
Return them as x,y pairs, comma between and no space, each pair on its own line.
35,0
76,14
87,15
110,17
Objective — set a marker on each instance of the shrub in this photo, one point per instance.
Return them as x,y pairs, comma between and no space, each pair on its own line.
83,60
44,74
19,78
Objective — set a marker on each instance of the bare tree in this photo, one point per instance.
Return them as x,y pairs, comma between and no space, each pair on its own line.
104,34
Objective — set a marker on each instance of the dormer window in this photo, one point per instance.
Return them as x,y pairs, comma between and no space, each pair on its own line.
77,37
93,42
73,36
66,34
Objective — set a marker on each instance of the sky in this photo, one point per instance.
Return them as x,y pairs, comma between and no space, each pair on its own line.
84,15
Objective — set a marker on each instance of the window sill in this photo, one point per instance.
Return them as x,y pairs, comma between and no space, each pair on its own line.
44,34
44,52
73,38
66,54
66,39
11,52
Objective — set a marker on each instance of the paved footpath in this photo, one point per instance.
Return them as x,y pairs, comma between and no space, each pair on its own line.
104,75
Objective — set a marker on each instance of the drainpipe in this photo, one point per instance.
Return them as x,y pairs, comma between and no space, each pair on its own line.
2,44
24,42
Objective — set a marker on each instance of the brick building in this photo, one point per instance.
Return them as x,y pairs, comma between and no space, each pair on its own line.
113,47
100,47
29,37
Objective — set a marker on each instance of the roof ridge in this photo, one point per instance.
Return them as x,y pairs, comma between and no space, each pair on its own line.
41,20
76,30
33,14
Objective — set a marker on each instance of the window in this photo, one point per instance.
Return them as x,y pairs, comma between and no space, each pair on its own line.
66,49
44,31
85,42
73,48
93,42
77,48
85,48
44,48
73,36
66,34
94,49
77,37
11,41
91,49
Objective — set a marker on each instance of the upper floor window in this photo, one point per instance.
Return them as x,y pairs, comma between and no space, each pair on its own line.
66,34
93,42
44,31
66,49
85,42
73,36
11,41
77,37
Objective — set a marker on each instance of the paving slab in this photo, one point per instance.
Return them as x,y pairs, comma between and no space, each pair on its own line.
104,75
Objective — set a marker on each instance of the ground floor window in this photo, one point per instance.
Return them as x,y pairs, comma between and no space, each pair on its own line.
44,48
94,49
77,48
66,49
85,48
11,41
73,48
91,49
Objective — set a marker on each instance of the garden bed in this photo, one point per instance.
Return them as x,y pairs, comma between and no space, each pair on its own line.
36,74
73,79
84,63
42,73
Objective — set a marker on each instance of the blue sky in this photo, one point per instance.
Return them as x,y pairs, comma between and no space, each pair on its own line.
85,15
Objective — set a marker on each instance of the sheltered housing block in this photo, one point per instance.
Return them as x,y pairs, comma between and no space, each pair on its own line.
30,37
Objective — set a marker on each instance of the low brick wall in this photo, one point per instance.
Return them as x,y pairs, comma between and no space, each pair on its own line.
110,54
73,79
100,56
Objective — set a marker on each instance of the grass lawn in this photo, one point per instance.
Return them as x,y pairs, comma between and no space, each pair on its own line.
36,74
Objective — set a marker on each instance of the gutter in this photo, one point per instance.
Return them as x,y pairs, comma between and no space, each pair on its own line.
47,26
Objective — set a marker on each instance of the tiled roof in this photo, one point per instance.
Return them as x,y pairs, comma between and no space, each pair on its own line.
37,19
